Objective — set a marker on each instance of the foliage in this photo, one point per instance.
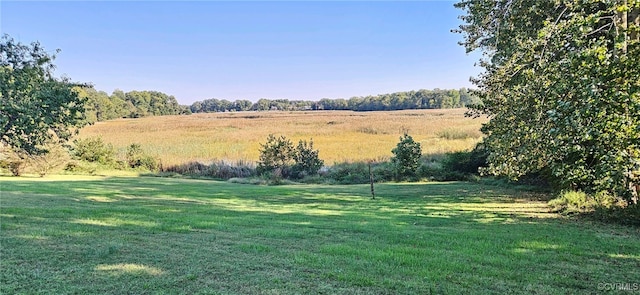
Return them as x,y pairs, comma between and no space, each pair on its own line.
307,161
152,103
358,172
562,89
281,159
134,104
421,99
349,173
54,160
216,169
35,108
41,164
578,201
276,153
137,158
94,149
11,161
466,162
406,157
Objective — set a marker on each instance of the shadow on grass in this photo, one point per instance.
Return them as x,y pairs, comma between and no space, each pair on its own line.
176,236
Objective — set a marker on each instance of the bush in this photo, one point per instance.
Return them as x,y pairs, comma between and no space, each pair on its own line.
136,158
82,167
466,162
578,201
55,158
383,171
276,153
629,215
349,173
280,159
437,173
306,160
602,206
358,173
94,150
223,170
219,170
11,161
406,157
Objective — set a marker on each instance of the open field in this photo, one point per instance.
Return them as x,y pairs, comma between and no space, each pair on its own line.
340,136
137,235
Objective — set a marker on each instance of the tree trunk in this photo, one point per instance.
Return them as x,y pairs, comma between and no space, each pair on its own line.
633,19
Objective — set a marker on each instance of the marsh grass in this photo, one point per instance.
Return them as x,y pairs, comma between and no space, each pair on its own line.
458,134
340,136
137,235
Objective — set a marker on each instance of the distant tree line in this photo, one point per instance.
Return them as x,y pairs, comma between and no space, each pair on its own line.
421,99
99,106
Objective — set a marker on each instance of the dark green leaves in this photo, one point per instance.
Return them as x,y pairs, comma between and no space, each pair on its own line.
561,87
35,107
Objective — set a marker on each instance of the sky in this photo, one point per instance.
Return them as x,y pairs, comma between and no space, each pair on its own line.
296,50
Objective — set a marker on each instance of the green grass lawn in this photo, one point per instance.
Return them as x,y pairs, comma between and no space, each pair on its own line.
138,235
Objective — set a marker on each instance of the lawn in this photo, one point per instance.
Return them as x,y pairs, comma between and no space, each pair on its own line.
138,235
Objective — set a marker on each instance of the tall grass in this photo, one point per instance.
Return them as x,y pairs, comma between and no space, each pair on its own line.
340,136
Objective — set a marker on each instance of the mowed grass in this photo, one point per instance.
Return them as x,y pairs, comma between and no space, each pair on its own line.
340,136
137,235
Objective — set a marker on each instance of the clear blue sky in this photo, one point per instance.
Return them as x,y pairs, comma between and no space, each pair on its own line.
249,50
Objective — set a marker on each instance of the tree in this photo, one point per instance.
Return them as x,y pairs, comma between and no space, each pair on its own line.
561,86
36,108
94,150
276,153
307,161
406,157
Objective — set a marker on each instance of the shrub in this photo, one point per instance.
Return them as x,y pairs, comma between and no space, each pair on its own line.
223,170
11,161
383,171
56,157
358,173
406,157
437,173
277,152
578,201
136,158
349,173
602,206
93,150
306,160
76,166
466,162
280,159
629,215
217,169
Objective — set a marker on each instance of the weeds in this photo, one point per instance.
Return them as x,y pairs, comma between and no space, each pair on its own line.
237,136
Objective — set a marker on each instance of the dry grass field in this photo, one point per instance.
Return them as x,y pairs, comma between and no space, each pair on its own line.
340,136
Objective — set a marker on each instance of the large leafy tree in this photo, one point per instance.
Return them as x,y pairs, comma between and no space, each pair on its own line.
561,85
35,107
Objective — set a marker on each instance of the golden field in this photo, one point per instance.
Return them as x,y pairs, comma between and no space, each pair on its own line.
340,136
